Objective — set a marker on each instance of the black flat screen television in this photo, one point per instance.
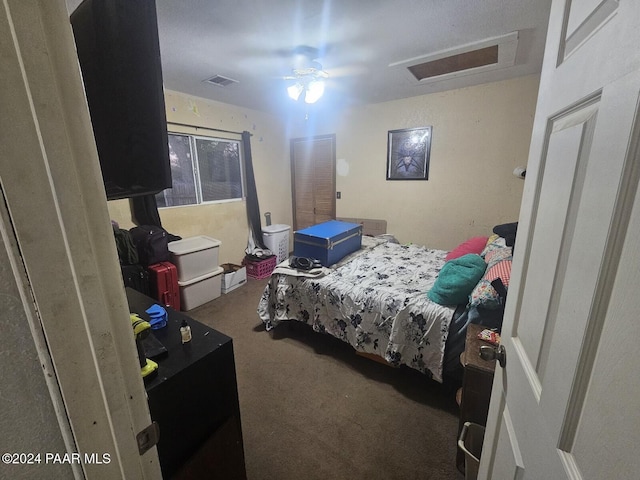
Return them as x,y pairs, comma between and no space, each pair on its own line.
119,54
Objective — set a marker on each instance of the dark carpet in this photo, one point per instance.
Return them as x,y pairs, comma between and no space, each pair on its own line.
313,409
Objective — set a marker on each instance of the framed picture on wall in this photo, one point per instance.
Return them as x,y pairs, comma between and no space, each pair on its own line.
408,152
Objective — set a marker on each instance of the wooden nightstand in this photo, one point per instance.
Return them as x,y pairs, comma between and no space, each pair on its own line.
477,380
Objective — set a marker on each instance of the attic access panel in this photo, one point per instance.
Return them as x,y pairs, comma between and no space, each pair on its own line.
481,56
456,63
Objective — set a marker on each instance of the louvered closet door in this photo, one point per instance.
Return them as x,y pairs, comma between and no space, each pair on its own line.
313,170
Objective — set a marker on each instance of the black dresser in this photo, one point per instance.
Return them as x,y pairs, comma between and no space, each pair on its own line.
194,399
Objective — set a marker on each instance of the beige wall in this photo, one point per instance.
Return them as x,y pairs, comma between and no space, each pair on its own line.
480,134
227,221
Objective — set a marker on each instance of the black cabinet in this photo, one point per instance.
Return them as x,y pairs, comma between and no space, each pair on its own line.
194,400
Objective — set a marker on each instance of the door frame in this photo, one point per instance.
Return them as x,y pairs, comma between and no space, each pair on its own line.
51,179
311,140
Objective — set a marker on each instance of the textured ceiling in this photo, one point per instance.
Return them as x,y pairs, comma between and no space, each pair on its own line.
359,40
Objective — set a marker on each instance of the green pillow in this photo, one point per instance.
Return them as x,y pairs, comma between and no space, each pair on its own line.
457,279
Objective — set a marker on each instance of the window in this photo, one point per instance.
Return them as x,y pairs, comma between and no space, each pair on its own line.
203,170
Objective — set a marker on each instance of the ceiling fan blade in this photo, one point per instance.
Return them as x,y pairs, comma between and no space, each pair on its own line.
311,53
347,71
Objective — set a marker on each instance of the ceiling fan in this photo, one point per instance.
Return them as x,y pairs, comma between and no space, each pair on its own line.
307,74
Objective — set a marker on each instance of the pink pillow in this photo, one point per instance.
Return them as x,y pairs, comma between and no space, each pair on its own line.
473,245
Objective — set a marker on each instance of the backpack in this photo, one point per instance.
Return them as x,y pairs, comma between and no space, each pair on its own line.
136,277
152,244
127,251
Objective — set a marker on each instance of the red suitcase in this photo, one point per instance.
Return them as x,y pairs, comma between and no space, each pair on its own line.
163,280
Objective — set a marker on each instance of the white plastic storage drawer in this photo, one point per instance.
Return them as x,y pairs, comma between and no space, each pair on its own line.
194,256
200,290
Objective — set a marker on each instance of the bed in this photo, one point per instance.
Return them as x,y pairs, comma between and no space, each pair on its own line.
376,300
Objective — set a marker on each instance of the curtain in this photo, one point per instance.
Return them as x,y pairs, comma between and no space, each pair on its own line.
255,243
144,209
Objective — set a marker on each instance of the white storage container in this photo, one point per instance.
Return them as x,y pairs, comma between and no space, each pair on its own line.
470,442
200,290
276,239
194,256
234,276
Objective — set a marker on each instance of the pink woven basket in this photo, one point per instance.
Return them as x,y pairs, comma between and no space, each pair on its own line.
260,269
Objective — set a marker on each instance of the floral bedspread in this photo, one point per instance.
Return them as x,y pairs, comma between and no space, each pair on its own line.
376,302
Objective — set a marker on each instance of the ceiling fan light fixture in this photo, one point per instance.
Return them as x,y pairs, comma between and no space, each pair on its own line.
295,90
315,90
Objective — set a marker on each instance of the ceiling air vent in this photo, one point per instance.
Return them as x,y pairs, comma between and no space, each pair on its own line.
220,81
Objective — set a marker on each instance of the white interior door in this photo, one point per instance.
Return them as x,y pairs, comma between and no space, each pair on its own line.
566,405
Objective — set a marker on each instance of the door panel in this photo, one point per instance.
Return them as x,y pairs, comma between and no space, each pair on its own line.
569,139
508,462
583,19
568,318
615,423
313,180
303,188
323,160
566,142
